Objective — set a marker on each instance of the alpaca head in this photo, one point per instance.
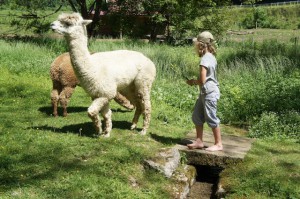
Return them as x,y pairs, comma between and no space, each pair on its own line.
70,25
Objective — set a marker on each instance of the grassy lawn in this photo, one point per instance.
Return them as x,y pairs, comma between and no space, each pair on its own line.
277,35
270,170
46,157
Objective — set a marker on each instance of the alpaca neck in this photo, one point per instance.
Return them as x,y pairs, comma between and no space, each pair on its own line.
80,56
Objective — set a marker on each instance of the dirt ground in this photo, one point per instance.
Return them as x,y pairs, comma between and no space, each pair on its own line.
201,190
206,183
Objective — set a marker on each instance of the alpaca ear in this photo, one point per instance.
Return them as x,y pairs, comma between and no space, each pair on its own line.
87,22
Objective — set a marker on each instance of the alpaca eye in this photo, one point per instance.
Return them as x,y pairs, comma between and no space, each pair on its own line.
67,23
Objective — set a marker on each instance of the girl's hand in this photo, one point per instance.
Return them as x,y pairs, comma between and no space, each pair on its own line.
191,82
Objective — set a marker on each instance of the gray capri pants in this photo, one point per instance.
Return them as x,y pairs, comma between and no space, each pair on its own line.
206,111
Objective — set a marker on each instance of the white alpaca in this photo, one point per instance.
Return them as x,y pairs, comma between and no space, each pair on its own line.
104,74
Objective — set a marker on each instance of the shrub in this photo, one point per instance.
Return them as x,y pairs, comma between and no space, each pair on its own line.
271,124
257,18
257,78
266,126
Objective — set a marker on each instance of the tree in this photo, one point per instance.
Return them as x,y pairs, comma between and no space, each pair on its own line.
181,18
89,9
250,2
32,18
29,17
123,16
184,18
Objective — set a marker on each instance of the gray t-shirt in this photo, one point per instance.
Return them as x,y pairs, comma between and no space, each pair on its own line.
211,86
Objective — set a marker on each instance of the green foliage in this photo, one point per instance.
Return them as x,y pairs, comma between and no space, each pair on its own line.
33,5
270,170
46,157
255,78
257,94
179,16
273,125
258,79
259,18
283,17
259,84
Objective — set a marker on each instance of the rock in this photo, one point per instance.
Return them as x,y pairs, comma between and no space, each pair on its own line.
220,193
235,149
184,177
166,161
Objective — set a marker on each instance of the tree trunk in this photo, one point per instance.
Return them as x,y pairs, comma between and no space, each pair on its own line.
96,19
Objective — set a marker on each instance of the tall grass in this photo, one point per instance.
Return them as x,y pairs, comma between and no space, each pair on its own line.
283,17
43,157
257,79
267,172
260,87
46,157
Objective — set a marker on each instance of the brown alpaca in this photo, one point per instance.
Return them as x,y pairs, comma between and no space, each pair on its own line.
65,81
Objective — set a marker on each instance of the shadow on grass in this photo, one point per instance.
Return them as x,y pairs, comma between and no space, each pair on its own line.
165,140
44,163
83,129
34,170
48,110
75,109
121,110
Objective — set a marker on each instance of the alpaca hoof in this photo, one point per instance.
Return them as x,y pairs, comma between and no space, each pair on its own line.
105,135
65,112
133,127
143,132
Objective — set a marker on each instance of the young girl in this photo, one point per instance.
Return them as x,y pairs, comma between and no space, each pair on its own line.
206,106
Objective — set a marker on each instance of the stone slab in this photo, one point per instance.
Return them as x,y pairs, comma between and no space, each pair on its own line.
235,149
165,161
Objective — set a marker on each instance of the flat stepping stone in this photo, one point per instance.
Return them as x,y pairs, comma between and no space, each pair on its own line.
235,149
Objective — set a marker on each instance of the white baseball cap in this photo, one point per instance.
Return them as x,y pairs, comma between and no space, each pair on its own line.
205,37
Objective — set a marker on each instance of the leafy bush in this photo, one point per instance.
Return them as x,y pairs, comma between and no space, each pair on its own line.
267,126
271,124
257,79
279,17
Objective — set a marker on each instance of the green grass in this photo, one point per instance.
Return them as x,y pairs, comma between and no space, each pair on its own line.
260,35
270,170
280,17
46,157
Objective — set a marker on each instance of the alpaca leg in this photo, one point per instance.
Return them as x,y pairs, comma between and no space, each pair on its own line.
93,112
64,97
55,97
136,116
120,99
106,113
146,104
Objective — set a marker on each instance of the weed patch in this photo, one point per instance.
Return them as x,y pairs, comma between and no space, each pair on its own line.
270,170
46,157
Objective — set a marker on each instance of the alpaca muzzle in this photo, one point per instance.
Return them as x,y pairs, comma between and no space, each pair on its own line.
54,26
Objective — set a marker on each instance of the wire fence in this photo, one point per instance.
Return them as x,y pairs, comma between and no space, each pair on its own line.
267,4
